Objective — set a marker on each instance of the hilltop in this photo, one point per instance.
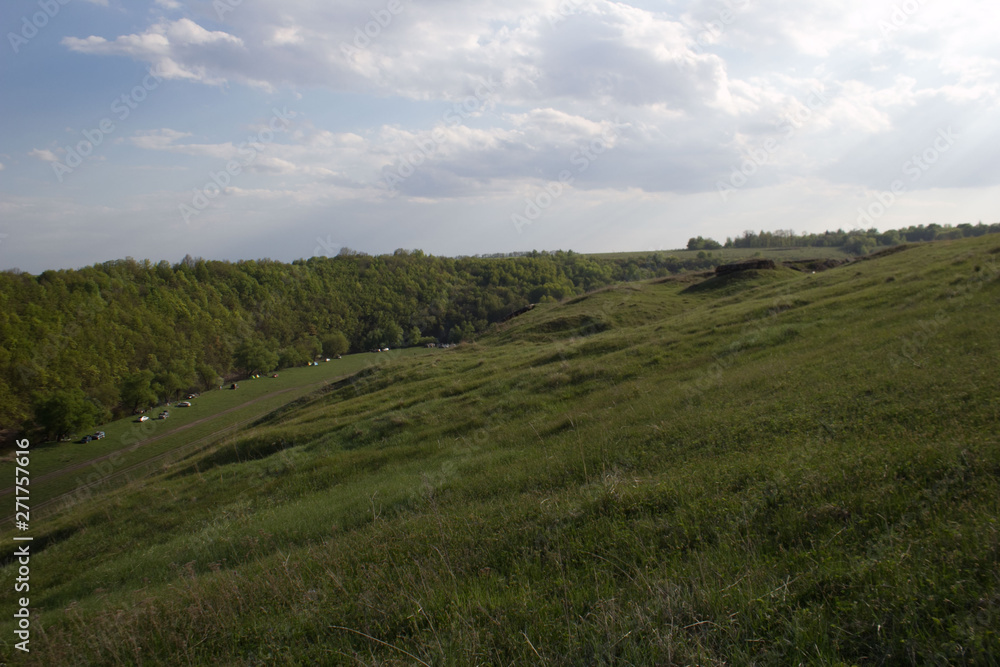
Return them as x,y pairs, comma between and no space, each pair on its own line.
775,466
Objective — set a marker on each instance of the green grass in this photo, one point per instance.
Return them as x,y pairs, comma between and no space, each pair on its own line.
786,468
132,443
734,254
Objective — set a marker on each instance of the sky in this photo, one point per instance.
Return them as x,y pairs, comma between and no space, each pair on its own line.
244,129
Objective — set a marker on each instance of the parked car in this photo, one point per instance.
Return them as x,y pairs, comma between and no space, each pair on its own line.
144,418
164,414
87,438
99,435
184,404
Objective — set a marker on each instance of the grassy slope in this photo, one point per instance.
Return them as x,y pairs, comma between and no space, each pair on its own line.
790,468
136,443
734,254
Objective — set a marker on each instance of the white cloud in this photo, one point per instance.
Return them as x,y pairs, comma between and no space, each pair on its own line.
288,35
678,99
179,49
44,155
162,139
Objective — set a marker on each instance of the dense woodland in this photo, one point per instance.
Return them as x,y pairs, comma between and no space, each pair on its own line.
82,345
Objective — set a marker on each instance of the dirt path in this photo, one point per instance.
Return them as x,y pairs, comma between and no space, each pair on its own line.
144,443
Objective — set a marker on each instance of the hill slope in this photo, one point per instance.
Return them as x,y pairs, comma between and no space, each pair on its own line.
795,467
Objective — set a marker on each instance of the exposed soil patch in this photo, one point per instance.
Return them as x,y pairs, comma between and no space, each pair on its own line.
689,277
815,265
752,264
519,311
888,251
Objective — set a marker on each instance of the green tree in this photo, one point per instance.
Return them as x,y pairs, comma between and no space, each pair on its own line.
137,390
292,356
375,339
311,347
860,245
335,343
168,384
699,243
253,356
414,336
65,412
393,334
208,376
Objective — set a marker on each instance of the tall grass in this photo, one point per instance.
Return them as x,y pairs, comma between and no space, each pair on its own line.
798,469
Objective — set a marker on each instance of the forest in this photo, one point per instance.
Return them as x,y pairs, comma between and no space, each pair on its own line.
81,346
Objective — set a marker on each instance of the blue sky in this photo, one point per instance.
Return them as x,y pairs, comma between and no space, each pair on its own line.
236,129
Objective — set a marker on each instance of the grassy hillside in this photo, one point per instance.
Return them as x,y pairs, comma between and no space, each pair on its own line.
76,470
781,468
735,254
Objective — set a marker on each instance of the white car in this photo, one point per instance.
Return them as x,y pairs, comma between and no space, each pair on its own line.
144,418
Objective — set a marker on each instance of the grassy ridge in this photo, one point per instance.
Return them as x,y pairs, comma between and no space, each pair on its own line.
788,468
735,254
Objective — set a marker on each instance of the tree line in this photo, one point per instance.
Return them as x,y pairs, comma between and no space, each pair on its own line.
81,346
855,242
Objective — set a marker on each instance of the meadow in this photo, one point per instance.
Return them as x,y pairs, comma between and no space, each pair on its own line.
132,449
772,467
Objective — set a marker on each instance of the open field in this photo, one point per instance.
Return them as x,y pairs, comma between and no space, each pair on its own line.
772,467
61,467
